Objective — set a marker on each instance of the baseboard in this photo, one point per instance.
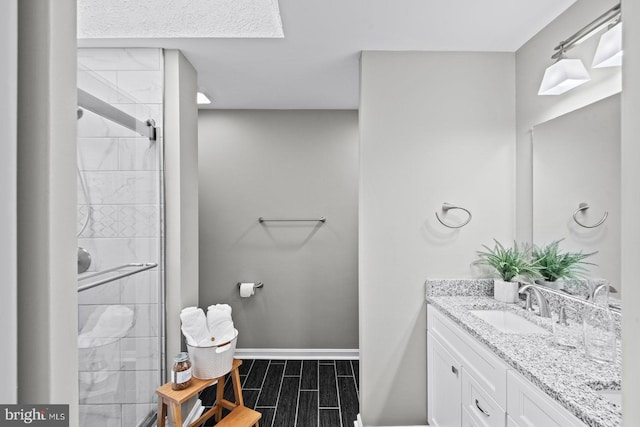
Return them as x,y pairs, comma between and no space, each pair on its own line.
298,353
358,423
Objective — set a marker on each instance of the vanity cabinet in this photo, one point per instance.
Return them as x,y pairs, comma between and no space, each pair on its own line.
470,386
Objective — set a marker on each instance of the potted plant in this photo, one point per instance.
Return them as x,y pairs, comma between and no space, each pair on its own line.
556,265
511,264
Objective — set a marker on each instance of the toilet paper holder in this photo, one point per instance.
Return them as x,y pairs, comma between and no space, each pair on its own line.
255,285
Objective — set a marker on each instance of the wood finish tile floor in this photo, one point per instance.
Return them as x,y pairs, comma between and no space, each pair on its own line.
297,393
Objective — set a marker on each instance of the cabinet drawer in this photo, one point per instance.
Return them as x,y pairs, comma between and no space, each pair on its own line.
469,421
486,368
482,410
530,407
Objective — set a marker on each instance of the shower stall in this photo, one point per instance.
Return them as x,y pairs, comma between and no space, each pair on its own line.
121,339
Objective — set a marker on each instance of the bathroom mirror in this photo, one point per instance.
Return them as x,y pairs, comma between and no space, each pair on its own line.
576,163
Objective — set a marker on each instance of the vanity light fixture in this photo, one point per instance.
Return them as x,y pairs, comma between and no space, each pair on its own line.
609,51
565,74
202,99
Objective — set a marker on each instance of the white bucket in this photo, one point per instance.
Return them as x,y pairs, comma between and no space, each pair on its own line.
212,362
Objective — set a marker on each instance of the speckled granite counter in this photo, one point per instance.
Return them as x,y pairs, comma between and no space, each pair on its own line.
566,375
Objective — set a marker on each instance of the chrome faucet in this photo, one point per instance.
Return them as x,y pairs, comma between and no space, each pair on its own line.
543,305
596,291
603,286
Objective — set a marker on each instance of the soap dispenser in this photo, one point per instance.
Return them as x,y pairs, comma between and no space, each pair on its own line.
565,334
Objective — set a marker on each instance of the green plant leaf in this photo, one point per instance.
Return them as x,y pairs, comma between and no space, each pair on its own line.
510,263
555,264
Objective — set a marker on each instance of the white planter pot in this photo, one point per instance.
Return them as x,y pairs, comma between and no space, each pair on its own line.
505,291
557,285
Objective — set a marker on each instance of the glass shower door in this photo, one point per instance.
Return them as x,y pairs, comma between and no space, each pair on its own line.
120,235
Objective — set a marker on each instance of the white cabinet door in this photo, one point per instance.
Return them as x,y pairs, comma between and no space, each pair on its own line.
530,407
444,391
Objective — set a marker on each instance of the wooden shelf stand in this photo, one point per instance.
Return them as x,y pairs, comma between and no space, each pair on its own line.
240,416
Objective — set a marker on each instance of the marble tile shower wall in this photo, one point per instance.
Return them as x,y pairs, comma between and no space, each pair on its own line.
122,207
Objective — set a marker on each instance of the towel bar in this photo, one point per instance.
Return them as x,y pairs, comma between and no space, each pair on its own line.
263,219
137,268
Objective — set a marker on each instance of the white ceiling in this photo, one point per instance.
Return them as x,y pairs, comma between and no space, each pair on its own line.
316,64
178,18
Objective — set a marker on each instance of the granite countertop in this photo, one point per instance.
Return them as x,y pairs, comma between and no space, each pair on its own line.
566,375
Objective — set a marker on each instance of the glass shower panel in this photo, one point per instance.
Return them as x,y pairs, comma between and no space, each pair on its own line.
120,226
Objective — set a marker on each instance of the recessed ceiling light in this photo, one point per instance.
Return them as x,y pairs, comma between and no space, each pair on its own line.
202,99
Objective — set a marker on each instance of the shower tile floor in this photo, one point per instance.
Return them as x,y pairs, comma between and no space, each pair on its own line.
297,393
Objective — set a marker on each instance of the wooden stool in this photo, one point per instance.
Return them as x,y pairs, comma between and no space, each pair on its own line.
240,415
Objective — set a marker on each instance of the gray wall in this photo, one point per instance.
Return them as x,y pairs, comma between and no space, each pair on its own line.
47,295
181,193
8,244
630,208
281,164
434,128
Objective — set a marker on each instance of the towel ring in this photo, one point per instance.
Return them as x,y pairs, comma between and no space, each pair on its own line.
583,207
447,207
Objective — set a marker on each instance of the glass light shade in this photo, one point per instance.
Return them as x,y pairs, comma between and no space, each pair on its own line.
563,76
201,98
609,51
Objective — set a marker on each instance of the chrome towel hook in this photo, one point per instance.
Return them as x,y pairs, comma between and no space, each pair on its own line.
447,207
583,207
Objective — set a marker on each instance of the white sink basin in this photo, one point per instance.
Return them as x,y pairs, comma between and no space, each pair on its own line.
508,322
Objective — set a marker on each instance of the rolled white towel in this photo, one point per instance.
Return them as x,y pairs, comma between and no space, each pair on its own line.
194,327
220,307
217,313
220,323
